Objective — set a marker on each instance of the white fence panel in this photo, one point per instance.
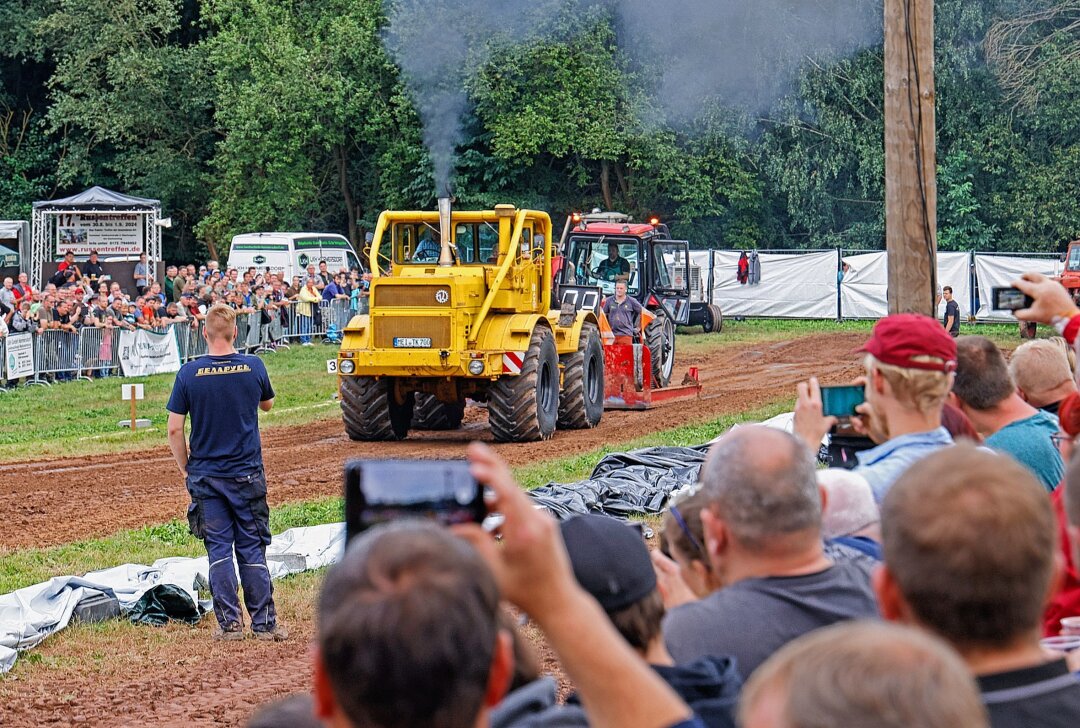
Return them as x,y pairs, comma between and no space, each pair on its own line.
792,286
998,271
864,289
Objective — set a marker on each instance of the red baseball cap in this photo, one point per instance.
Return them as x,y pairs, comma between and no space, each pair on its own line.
899,338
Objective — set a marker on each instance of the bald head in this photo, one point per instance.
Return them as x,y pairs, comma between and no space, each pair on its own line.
762,483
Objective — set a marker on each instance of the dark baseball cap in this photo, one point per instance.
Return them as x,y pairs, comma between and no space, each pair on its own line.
900,338
610,560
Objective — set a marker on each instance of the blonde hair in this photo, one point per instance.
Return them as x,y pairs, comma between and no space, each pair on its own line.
867,673
922,389
1039,366
220,322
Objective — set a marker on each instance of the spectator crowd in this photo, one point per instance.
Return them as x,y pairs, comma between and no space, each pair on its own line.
79,295
931,584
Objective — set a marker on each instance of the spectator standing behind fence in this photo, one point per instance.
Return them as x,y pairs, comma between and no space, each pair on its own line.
141,274
987,395
305,310
970,555
223,471
7,294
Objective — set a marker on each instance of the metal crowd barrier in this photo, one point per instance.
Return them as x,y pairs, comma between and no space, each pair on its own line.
94,352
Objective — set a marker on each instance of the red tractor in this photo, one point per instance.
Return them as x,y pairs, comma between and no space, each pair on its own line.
604,246
1070,276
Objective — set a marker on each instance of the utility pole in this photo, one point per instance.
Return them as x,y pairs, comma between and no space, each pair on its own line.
910,156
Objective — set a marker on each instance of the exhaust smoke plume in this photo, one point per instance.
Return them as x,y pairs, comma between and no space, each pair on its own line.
740,53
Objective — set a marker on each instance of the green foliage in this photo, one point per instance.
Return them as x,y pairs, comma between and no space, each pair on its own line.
244,115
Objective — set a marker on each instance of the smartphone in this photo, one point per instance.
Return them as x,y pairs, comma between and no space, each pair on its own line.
379,491
1009,299
841,400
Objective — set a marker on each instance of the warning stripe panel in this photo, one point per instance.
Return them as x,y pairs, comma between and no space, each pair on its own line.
512,361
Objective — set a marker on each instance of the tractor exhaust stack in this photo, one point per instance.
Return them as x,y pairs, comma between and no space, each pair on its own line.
446,253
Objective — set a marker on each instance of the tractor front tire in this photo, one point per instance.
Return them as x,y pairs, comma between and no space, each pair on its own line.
660,338
525,407
714,319
581,401
371,412
431,414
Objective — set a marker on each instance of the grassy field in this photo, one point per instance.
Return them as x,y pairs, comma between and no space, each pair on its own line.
80,418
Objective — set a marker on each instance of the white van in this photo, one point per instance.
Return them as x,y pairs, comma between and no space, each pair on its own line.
291,253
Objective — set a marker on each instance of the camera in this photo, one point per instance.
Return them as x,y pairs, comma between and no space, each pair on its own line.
1009,299
380,491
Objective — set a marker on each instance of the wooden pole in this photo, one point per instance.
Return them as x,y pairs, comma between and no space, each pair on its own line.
133,409
910,157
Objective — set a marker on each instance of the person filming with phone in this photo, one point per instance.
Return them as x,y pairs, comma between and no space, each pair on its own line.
910,363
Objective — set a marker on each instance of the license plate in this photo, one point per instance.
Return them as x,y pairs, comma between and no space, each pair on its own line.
412,342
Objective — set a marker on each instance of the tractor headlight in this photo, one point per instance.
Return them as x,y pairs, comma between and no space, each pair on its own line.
476,367
346,366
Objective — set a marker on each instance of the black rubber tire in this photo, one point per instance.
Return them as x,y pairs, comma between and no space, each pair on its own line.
525,407
431,414
714,320
660,338
370,411
581,401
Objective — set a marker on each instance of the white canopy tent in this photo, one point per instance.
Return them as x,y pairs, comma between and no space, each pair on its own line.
95,219
19,231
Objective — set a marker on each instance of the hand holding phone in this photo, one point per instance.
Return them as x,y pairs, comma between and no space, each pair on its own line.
1009,299
380,491
841,400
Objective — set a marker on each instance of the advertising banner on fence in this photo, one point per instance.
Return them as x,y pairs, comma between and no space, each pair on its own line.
109,234
19,356
143,352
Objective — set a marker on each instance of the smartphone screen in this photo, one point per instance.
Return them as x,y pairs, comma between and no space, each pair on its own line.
379,491
1009,299
841,400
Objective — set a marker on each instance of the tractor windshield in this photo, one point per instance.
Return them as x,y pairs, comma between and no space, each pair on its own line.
1073,262
601,260
475,243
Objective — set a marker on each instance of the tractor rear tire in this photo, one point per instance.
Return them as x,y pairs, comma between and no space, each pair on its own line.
581,402
660,338
431,414
714,319
371,412
525,407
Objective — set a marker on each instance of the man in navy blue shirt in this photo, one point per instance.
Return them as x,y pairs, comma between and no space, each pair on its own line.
223,392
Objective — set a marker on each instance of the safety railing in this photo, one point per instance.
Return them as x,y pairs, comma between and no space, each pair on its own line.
94,352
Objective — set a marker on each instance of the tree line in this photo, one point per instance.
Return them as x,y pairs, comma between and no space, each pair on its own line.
244,115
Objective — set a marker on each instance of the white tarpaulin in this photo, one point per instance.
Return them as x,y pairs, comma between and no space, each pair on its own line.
864,291
999,271
143,352
29,615
792,286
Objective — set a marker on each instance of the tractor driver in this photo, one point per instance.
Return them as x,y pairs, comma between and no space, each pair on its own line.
428,249
623,313
614,266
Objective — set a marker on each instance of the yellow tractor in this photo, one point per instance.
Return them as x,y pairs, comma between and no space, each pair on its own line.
460,306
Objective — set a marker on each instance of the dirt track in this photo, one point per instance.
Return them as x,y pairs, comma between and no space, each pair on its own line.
188,680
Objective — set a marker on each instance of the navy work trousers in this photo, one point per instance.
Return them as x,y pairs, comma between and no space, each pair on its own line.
235,516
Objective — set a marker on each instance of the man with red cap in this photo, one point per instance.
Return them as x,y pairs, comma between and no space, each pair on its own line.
910,360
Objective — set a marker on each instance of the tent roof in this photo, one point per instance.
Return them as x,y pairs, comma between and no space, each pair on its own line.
98,198
11,229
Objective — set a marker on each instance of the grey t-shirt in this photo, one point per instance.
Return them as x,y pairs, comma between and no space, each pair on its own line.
753,618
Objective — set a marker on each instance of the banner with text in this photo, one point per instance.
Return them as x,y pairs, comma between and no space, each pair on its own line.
19,356
143,352
108,234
